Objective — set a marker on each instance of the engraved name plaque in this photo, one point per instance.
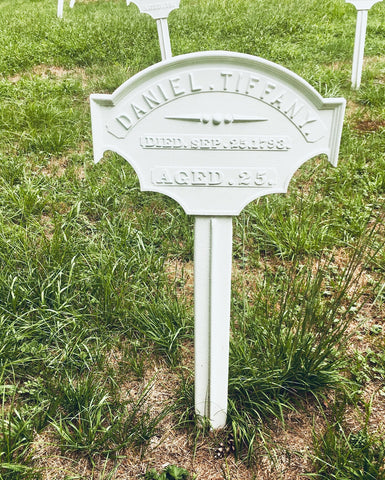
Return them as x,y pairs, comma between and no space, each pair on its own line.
216,130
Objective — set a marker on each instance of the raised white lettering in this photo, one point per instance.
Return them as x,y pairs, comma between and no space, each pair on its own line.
252,83
150,99
176,88
193,86
139,112
226,76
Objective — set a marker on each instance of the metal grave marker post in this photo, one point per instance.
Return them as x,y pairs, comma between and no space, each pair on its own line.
362,6
214,131
60,5
160,10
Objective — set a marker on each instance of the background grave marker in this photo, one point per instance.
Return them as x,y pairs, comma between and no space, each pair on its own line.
362,6
214,131
160,10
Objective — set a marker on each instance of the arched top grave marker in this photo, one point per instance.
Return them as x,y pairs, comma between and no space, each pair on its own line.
216,130
157,8
363,4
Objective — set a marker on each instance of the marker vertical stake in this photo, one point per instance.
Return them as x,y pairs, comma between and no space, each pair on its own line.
212,287
60,8
164,38
359,47
362,6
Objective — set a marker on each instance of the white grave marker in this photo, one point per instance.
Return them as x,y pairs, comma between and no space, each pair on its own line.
214,131
362,6
160,10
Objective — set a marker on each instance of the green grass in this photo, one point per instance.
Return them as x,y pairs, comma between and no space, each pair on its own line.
349,455
171,472
94,274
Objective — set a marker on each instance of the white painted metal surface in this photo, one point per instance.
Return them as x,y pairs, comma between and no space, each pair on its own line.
212,290
214,131
362,6
164,38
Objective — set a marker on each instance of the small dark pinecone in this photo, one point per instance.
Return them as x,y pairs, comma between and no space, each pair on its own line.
223,449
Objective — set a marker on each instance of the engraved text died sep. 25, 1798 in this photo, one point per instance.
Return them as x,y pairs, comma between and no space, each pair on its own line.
193,142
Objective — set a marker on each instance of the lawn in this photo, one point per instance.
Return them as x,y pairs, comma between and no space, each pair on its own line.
96,277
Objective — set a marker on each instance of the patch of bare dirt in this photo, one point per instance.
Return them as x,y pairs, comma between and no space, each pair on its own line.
170,447
57,167
368,125
289,446
51,71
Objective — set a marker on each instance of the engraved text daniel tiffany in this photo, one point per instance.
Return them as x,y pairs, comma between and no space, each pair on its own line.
260,87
